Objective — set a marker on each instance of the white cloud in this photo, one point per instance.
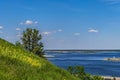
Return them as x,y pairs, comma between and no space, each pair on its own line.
1,27
52,32
76,34
60,30
28,22
46,33
18,29
93,30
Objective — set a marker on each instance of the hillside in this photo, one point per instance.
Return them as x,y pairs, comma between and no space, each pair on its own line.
18,64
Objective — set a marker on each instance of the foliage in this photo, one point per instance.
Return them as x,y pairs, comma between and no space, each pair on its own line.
19,64
78,71
18,44
31,41
96,78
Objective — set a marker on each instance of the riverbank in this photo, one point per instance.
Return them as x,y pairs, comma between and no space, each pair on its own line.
111,78
112,59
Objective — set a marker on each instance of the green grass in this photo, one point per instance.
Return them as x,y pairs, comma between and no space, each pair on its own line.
18,64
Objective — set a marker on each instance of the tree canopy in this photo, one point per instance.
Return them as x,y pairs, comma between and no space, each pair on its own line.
31,40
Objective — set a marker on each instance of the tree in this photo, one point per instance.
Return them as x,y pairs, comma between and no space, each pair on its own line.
78,71
31,41
18,44
71,69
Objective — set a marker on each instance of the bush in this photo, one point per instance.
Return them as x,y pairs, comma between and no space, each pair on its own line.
78,71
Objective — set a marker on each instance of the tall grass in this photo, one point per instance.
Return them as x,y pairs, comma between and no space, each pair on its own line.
18,64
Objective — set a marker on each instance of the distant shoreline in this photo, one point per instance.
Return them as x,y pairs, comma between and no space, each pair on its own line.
85,51
113,59
82,50
110,78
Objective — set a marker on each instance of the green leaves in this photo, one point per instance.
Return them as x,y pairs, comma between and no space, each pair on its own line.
78,71
32,41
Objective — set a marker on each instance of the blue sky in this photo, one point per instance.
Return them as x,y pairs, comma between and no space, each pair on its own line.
64,24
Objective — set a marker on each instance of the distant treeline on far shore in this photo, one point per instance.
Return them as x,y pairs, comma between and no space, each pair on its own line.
82,50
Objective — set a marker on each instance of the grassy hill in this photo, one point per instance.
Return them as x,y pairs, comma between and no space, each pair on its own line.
18,64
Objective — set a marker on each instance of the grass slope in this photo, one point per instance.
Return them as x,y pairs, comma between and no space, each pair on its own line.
18,64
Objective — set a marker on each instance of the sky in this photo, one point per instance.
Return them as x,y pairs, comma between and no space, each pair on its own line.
64,24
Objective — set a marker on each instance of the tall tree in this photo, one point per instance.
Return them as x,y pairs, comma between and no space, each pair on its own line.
31,41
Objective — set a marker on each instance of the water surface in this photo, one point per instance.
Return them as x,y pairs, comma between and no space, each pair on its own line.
94,63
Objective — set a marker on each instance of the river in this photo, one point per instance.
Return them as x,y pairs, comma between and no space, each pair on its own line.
94,63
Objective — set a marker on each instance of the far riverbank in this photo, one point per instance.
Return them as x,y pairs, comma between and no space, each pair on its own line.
111,78
113,59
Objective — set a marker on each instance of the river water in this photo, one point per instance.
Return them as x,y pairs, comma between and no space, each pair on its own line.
94,63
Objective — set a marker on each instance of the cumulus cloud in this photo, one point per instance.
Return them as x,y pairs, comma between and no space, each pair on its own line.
59,30
93,30
29,22
76,34
18,29
1,27
46,33
51,32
